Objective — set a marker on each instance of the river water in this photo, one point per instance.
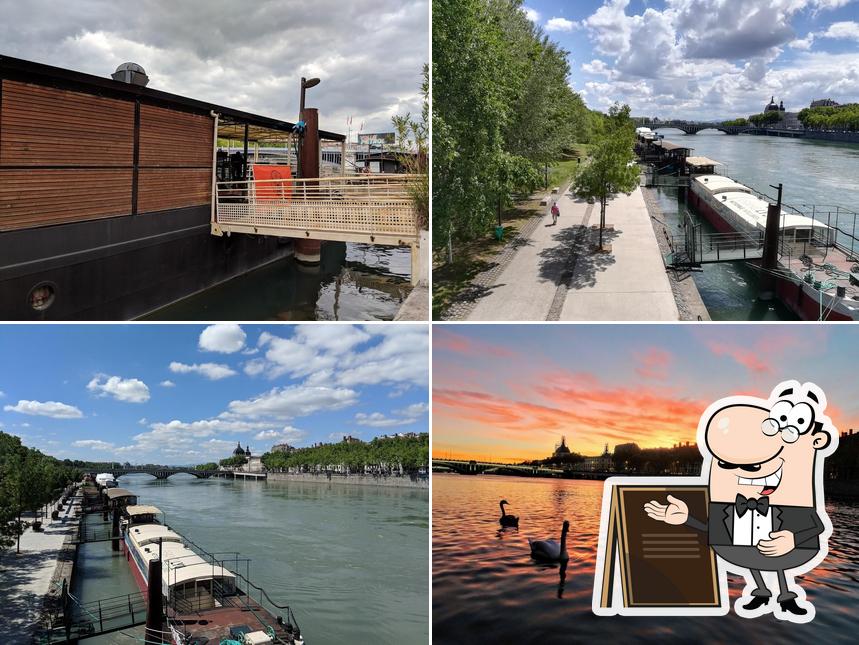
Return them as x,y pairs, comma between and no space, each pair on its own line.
486,587
352,282
351,561
816,173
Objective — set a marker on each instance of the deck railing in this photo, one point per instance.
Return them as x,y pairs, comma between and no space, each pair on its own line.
354,207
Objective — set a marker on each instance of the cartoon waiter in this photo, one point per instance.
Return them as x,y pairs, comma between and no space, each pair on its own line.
766,504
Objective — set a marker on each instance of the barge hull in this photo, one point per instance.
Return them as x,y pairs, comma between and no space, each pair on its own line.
124,267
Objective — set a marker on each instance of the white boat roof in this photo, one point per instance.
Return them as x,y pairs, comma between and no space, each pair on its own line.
702,161
142,510
182,573
149,533
718,183
753,210
104,476
113,493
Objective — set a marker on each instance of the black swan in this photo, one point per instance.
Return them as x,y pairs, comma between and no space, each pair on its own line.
549,550
507,520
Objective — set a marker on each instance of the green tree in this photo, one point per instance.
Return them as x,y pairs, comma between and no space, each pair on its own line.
611,168
412,137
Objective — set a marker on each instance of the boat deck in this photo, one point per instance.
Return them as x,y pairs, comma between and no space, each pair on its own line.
829,265
215,624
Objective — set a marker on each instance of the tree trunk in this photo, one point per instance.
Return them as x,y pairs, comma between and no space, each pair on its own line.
602,218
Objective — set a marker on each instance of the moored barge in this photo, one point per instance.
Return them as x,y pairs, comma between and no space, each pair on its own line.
818,273
205,601
106,193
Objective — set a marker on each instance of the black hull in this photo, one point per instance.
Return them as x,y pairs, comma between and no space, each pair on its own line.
122,268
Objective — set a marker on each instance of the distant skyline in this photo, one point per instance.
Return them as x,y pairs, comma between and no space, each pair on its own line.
509,392
706,59
185,394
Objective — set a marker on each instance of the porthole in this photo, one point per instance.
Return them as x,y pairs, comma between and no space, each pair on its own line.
42,296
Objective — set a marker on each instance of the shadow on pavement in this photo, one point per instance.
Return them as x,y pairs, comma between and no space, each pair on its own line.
572,261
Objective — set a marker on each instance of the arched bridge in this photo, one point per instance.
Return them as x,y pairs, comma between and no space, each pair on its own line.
464,467
695,128
162,472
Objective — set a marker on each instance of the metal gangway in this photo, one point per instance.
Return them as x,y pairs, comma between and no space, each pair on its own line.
372,208
78,621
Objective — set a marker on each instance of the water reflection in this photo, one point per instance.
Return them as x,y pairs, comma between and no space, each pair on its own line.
352,282
487,588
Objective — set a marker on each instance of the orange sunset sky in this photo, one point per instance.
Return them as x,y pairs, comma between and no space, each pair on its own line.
509,392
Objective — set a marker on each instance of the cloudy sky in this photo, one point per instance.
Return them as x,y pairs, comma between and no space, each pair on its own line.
509,392
706,59
185,394
248,55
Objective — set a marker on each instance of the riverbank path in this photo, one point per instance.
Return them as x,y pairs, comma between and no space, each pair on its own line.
25,577
556,273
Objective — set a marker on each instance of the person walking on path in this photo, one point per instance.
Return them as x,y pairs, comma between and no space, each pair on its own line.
555,212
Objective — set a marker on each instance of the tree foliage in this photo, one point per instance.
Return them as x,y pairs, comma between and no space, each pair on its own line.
502,108
739,121
842,117
237,460
386,454
765,118
28,480
412,138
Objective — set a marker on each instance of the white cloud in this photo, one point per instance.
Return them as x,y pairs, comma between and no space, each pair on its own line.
226,339
131,390
288,434
2,394
167,383
847,29
52,409
94,444
531,14
212,371
405,416
294,401
803,43
560,24
143,421
400,356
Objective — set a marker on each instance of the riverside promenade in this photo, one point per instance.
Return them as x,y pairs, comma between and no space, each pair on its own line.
556,274
25,577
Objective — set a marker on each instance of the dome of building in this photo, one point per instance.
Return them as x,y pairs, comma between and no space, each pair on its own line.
239,451
247,450
561,448
772,106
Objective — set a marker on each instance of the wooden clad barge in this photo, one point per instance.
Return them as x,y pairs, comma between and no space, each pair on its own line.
106,195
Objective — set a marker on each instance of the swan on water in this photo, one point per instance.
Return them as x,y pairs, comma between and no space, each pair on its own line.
550,550
507,520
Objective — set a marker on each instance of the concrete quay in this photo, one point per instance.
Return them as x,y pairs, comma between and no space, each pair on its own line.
28,578
557,274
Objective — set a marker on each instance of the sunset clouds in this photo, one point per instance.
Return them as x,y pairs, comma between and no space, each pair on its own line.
510,393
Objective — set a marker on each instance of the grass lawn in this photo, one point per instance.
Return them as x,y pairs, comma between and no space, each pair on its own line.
474,257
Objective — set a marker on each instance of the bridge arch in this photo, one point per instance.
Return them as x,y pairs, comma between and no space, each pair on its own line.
163,473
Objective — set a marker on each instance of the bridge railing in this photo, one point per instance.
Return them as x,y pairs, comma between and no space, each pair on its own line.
375,204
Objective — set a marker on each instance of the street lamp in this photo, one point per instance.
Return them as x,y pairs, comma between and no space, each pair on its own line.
306,83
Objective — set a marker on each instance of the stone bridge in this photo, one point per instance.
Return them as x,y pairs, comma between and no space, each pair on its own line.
162,472
473,467
695,128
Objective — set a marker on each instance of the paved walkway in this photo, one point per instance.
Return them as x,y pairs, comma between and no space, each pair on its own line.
555,274
25,577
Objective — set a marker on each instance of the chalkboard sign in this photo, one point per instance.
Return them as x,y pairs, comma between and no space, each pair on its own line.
660,565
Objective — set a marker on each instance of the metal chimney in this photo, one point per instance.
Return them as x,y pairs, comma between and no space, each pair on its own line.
131,73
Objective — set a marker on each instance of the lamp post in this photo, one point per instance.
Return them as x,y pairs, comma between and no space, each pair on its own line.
305,83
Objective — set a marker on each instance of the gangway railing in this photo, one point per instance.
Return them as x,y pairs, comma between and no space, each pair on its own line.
85,620
373,208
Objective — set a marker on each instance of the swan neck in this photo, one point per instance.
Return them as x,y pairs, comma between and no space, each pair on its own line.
563,539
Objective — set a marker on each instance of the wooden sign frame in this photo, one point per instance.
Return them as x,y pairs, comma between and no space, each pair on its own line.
614,565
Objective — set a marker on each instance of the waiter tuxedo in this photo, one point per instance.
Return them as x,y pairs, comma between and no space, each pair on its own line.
734,530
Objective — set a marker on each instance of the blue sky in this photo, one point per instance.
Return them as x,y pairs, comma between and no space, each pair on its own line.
706,59
511,391
183,394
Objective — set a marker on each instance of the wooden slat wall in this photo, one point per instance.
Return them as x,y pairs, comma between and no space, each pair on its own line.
38,196
44,126
163,188
172,138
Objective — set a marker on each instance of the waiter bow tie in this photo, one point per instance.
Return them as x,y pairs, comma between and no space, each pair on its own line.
761,505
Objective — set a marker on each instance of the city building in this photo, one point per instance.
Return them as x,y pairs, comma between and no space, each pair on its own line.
824,103
351,439
282,447
561,449
599,464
